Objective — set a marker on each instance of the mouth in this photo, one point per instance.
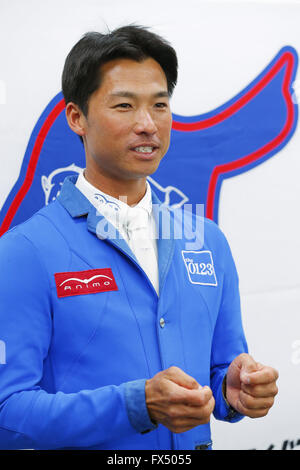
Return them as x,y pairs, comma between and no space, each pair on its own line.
145,152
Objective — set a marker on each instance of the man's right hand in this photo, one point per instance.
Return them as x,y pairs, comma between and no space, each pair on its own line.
176,400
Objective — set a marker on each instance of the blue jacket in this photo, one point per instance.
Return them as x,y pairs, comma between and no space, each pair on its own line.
77,361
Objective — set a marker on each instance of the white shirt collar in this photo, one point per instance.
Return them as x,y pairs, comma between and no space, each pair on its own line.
129,221
109,205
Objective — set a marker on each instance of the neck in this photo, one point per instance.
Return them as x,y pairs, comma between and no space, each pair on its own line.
130,191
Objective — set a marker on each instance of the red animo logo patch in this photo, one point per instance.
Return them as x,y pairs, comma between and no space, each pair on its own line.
84,282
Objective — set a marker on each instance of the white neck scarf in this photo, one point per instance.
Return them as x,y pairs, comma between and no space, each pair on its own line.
136,224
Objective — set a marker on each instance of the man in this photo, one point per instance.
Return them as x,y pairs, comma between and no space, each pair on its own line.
115,339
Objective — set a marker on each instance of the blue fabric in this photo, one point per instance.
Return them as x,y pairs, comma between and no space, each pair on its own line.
136,406
76,366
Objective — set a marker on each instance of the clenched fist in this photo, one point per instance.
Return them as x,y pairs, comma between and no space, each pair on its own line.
176,400
250,386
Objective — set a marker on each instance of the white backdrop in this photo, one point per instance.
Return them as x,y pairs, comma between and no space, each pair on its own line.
222,46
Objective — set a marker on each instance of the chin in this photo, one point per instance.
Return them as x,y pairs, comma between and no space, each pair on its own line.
148,173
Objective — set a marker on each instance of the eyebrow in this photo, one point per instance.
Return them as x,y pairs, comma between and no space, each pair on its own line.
129,94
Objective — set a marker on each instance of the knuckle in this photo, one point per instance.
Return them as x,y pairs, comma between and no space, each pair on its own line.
205,419
270,374
243,355
271,402
208,408
172,396
206,397
208,393
263,412
247,400
200,400
173,413
176,429
159,377
194,382
258,413
254,390
206,414
176,426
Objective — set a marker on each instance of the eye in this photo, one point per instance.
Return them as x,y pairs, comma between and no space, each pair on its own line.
123,105
161,105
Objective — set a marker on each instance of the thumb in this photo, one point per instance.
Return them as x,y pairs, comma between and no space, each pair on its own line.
177,375
248,365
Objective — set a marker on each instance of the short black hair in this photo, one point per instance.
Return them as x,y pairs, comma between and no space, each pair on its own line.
81,74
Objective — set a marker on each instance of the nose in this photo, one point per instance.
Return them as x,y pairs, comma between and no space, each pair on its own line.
145,123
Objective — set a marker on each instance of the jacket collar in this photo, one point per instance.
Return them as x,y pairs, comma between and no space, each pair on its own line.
72,199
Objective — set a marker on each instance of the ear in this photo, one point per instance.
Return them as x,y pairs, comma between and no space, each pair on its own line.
75,118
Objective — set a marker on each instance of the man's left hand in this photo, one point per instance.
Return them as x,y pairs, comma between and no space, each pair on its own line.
250,386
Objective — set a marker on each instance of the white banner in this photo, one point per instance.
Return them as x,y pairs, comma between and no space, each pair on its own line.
222,47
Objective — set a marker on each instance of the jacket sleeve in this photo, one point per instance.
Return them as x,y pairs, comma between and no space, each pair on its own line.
228,339
30,417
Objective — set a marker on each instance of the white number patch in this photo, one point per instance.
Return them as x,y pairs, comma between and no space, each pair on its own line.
200,267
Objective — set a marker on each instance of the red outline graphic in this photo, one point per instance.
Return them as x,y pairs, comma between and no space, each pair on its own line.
34,158
286,59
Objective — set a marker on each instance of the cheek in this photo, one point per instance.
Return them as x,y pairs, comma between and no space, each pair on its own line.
117,126
165,131
109,126
165,124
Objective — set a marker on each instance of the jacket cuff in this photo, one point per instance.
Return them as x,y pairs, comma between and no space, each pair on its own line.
136,406
231,414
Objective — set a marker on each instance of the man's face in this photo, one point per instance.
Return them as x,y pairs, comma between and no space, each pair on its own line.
128,126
